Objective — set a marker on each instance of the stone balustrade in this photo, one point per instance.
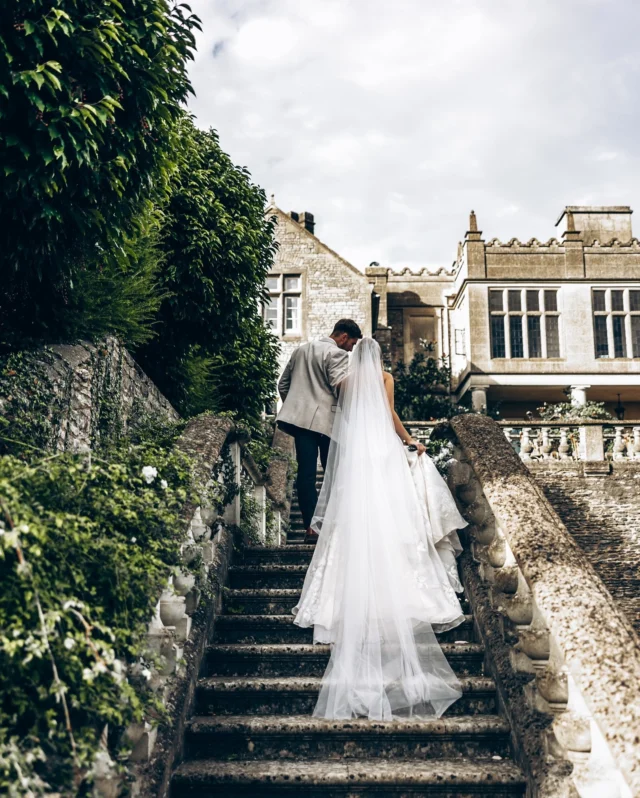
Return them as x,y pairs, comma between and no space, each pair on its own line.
177,634
566,640
587,439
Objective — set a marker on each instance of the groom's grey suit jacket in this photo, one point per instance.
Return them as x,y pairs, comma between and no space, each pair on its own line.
309,385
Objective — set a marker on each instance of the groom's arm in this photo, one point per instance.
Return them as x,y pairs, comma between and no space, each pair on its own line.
336,367
285,380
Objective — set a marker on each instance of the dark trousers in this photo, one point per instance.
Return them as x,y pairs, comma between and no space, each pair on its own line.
308,444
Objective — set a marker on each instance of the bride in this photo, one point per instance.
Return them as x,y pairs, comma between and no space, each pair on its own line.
383,574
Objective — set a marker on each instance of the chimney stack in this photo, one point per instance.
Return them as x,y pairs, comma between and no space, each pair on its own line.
306,220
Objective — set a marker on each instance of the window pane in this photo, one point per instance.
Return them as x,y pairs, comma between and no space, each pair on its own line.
271,314
635,335
535,339
602,341
273,283
598,300
533,300
619,342
551,301
495,300
515,300
292,314
553,336
515,336
498,348
617,300
292,283
634,300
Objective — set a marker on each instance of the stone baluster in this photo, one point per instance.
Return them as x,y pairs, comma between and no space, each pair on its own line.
564,447
619,447
546,443
636,443
526,447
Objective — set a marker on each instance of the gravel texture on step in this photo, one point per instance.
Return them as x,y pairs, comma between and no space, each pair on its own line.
300,659
457,777
304,737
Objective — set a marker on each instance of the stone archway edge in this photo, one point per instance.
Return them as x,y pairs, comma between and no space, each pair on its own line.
599,645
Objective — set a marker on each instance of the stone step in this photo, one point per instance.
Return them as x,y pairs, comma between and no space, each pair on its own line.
228,695
454,778
261,602
300,737
281,629
265,601
264,555
274,575
466,659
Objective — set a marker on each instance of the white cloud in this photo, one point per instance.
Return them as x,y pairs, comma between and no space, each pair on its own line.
391,121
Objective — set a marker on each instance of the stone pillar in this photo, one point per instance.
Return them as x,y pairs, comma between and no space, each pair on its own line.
479,398
474,249
579,395
232,511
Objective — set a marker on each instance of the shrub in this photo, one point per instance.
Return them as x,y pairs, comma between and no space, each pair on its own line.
422,387
86,547
89,94
213,351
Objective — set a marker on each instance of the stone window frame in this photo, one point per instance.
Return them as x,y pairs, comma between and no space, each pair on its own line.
627,315
279,294
515,303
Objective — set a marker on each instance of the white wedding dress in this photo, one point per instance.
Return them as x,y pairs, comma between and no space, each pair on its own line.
383,575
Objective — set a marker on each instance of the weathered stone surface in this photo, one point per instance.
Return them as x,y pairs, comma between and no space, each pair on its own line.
85,374
454,778
602,513
599,644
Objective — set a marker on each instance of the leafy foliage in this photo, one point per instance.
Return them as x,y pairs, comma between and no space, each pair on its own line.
89,94
86,546
566,410
422,387
218,246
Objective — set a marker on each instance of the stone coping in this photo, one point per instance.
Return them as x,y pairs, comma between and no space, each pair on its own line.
599,644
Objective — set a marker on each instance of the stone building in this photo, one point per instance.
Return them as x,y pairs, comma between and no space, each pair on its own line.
521,323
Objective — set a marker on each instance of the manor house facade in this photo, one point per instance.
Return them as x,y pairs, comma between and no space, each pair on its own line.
521,323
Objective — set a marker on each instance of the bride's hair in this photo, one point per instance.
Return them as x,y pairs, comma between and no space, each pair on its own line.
366,347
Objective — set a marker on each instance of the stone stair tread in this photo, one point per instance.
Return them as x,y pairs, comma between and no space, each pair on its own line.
307,724
237,619
309,684
263,592
302,547
276,567
312,649
355,773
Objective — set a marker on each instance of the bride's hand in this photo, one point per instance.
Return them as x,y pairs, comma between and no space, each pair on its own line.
420,447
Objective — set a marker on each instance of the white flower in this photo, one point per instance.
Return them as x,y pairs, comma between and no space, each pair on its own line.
146,673
69,643
149,473
88,675
133,540
164,484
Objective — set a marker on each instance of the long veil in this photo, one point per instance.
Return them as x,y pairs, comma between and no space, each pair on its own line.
376,586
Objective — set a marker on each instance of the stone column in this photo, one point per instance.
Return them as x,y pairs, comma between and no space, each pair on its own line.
579,395
479,398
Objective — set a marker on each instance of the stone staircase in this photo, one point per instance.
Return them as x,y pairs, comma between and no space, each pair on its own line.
253,733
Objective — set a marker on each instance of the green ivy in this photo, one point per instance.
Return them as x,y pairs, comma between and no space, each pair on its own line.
86,547
566,410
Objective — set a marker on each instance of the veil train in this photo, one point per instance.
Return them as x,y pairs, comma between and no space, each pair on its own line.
377,586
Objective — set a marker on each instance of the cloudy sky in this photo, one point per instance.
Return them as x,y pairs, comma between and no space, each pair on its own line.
391,120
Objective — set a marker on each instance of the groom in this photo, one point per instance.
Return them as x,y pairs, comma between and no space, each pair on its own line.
309,390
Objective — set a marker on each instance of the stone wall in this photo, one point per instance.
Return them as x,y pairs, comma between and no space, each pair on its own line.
331,287
97,390
602,513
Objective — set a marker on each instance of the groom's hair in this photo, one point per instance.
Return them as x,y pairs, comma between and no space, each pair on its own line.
347,326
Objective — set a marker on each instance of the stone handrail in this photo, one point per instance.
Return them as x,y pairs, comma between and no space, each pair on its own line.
570,633
571,439
178,633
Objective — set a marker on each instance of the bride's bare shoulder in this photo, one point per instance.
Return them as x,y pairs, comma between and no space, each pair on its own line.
388,378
